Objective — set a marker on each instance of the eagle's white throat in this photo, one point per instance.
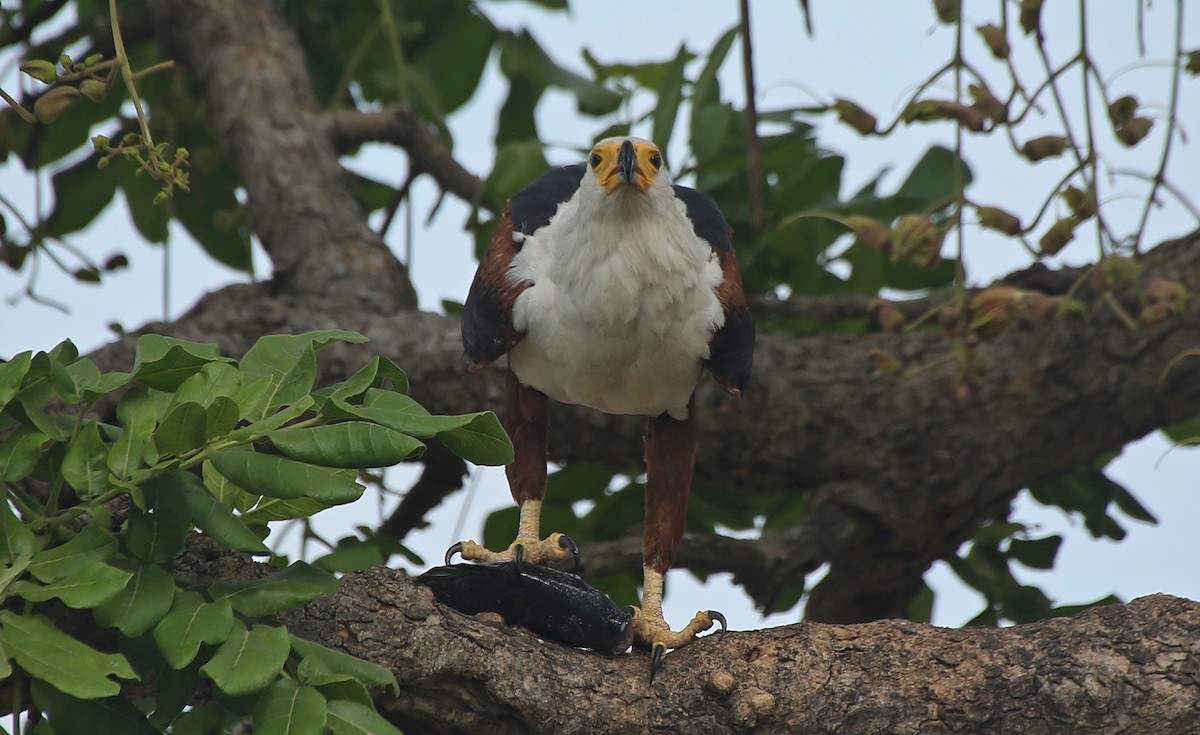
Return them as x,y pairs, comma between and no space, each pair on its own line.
623,302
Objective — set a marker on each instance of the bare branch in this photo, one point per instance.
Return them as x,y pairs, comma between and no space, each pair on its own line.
426,151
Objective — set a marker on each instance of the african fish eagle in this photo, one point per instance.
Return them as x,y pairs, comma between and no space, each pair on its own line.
609,287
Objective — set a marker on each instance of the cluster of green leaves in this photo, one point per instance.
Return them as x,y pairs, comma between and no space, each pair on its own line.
95,514
986,565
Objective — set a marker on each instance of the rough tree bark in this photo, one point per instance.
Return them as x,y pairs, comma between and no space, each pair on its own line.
1120,669
898,473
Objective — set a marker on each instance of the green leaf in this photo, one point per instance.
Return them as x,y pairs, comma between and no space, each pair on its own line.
215,519
248,660
1035,553
226,492
284,478
192,621
290,364
10,572
264,421
156,534
371,375
455,60
277,509
477,437
16,540
349,444
12,374
297,585
706,97
128,453
289,361
165,362
90,586
402,413
47,653
670,95
932,178
85,465
482,441
352,718
221,416
66,714
287,708
184,428
215,380
81,192
143,602
321,660
89,546
521,57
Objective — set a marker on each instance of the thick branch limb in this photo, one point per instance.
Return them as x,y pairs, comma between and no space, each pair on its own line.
1104,671
299,202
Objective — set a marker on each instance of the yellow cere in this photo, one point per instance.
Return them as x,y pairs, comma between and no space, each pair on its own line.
615,163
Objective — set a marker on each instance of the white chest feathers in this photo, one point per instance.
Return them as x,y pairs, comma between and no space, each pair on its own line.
623,303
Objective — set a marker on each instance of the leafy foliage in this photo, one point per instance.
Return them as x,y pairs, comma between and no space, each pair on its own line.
95,514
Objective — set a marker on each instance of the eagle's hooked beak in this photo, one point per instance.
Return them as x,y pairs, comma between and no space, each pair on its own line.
627,162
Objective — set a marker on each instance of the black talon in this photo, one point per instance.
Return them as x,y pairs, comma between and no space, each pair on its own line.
720,619
656,657
450,552
518,557
565,542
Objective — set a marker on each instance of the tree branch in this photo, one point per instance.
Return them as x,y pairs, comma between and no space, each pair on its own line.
299,202
408,130
1131,663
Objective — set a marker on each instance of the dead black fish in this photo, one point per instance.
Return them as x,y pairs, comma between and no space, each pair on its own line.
555,605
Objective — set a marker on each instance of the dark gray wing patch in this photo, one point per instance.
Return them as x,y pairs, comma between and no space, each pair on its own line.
533,206
706,217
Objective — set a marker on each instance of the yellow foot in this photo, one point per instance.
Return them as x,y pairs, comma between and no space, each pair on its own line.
553,549
651,631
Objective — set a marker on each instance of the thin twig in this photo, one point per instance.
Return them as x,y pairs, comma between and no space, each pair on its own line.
753,145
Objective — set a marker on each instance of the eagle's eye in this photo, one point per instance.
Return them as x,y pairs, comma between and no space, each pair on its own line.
656,161
595,160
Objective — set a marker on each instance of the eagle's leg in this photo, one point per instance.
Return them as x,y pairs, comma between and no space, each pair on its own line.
670,456
526,419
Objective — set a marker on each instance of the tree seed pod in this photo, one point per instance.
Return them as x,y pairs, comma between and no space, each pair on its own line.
915,239
51,105
1115,272
998,219
885,362
870,232
41,70
992,311
948,321
1134,129
994,37
1082,203
887,314
1046,146
1035,308
1192,66
94,89
1059,234
987,103
1031,17
1171,294
855,116
1122,109
947,10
